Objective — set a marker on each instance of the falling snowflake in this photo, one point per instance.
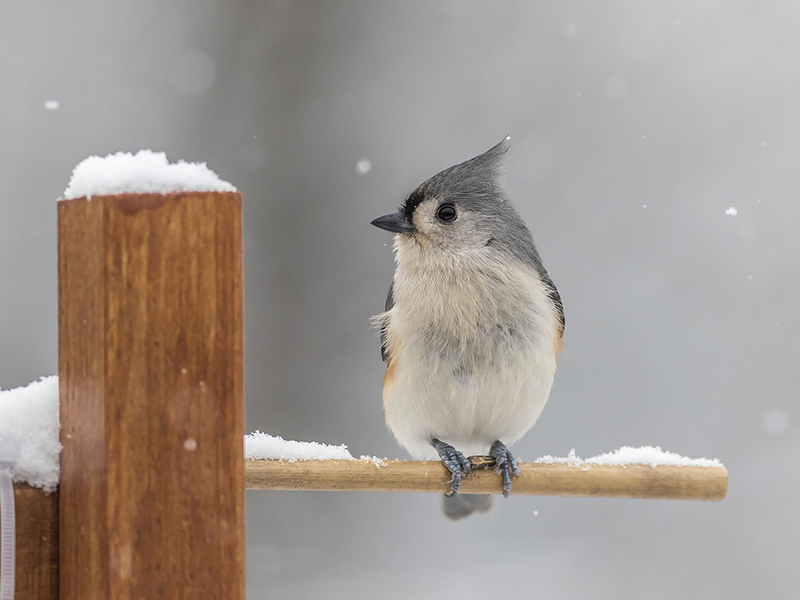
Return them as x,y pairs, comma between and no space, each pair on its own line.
731,211
363,166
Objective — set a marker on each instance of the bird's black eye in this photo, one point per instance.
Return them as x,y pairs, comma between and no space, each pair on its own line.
446,213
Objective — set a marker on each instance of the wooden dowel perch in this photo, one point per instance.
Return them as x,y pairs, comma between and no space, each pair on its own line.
598,481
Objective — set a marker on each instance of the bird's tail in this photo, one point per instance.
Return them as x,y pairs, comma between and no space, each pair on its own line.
462,505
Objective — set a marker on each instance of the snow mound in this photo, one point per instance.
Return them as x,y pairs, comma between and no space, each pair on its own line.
29,429
145,172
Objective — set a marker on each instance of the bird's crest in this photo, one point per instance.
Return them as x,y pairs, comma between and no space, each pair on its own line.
473,178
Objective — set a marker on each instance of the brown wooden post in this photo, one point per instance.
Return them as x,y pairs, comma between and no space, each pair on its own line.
36,573
150,366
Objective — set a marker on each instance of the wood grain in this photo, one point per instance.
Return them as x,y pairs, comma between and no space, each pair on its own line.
37,544
150,366
633,481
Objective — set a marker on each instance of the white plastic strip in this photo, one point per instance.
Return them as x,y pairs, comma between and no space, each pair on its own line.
8,537
7,533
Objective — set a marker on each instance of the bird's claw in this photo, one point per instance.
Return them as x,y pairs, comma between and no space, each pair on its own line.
456,463
506,464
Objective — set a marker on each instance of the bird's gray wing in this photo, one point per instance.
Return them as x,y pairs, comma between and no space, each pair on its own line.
385,324
556,298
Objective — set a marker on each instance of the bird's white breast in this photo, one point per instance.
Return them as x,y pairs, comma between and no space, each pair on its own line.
472,344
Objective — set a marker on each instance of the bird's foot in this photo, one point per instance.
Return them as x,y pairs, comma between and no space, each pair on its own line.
456,463
505,464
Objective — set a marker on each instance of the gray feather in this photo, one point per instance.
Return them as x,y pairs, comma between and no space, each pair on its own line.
384,325
555,297
462,505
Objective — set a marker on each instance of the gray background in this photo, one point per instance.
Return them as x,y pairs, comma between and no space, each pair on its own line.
635,126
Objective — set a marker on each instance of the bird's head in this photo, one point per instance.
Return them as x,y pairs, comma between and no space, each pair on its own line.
460,209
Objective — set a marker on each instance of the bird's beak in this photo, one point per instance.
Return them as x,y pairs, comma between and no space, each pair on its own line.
395,222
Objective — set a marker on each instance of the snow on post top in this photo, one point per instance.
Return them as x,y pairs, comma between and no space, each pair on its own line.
145,172
29,427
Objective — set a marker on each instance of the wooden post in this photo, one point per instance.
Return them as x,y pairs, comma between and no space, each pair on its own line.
597,481
36,576
150,366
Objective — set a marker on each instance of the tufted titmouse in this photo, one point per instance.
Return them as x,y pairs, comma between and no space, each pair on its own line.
472,326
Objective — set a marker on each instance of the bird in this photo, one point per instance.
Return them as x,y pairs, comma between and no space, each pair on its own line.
472,325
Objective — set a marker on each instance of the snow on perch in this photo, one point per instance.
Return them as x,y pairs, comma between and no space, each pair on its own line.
628,455
145,172
29,425
260,445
